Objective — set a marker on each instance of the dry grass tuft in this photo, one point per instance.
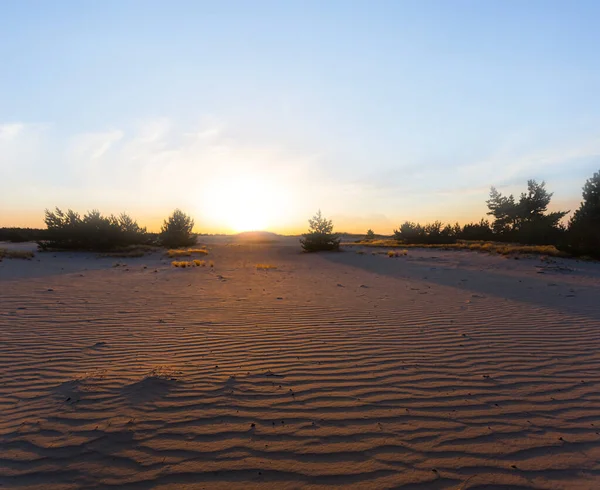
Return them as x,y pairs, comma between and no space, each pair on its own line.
265,267
15,254
478,246
125,255
183,264
211,263
397,253
178,252
130,251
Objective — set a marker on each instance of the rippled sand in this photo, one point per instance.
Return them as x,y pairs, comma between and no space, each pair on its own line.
437,370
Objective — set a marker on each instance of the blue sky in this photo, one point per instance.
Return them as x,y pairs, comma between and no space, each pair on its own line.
255,114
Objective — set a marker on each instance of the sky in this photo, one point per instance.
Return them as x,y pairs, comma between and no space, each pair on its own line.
254,114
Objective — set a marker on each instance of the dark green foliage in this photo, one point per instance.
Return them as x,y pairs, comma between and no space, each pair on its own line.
176,231
477,231
584,227
431,233
527,220
504,211
320,235
17,235
370,234
92,232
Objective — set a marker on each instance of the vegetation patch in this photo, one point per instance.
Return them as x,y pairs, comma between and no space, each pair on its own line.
183,264
397,253
18,235
176,231
490,247
265,267
584,227
15,254
320,236
131,251
92,231
186,252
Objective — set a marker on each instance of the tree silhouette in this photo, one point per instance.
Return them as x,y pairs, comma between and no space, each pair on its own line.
504,210
431,233
370,234
91,232
526,220
176,231
320,235
584,227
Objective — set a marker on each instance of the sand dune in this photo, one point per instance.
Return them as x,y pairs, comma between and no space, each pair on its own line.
436,370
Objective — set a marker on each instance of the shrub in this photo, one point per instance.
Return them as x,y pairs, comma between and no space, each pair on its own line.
409,232
320,236
370,235
176,231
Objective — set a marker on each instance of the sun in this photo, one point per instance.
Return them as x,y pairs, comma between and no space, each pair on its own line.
243,203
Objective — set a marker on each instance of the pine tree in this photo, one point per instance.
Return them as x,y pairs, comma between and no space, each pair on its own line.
584,227
176,231
320,235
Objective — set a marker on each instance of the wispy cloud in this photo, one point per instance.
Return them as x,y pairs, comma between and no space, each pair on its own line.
88,147
149,166
10,131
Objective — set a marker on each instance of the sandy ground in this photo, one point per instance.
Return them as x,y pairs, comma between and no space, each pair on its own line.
436,370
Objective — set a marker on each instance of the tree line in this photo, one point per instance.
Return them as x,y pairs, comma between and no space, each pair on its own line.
525,220
95,232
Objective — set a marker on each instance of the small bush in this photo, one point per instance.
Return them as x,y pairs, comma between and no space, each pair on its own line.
397,253
199,263
176,231
320,236
370,235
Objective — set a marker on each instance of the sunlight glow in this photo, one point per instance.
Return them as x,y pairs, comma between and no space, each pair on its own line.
244,203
